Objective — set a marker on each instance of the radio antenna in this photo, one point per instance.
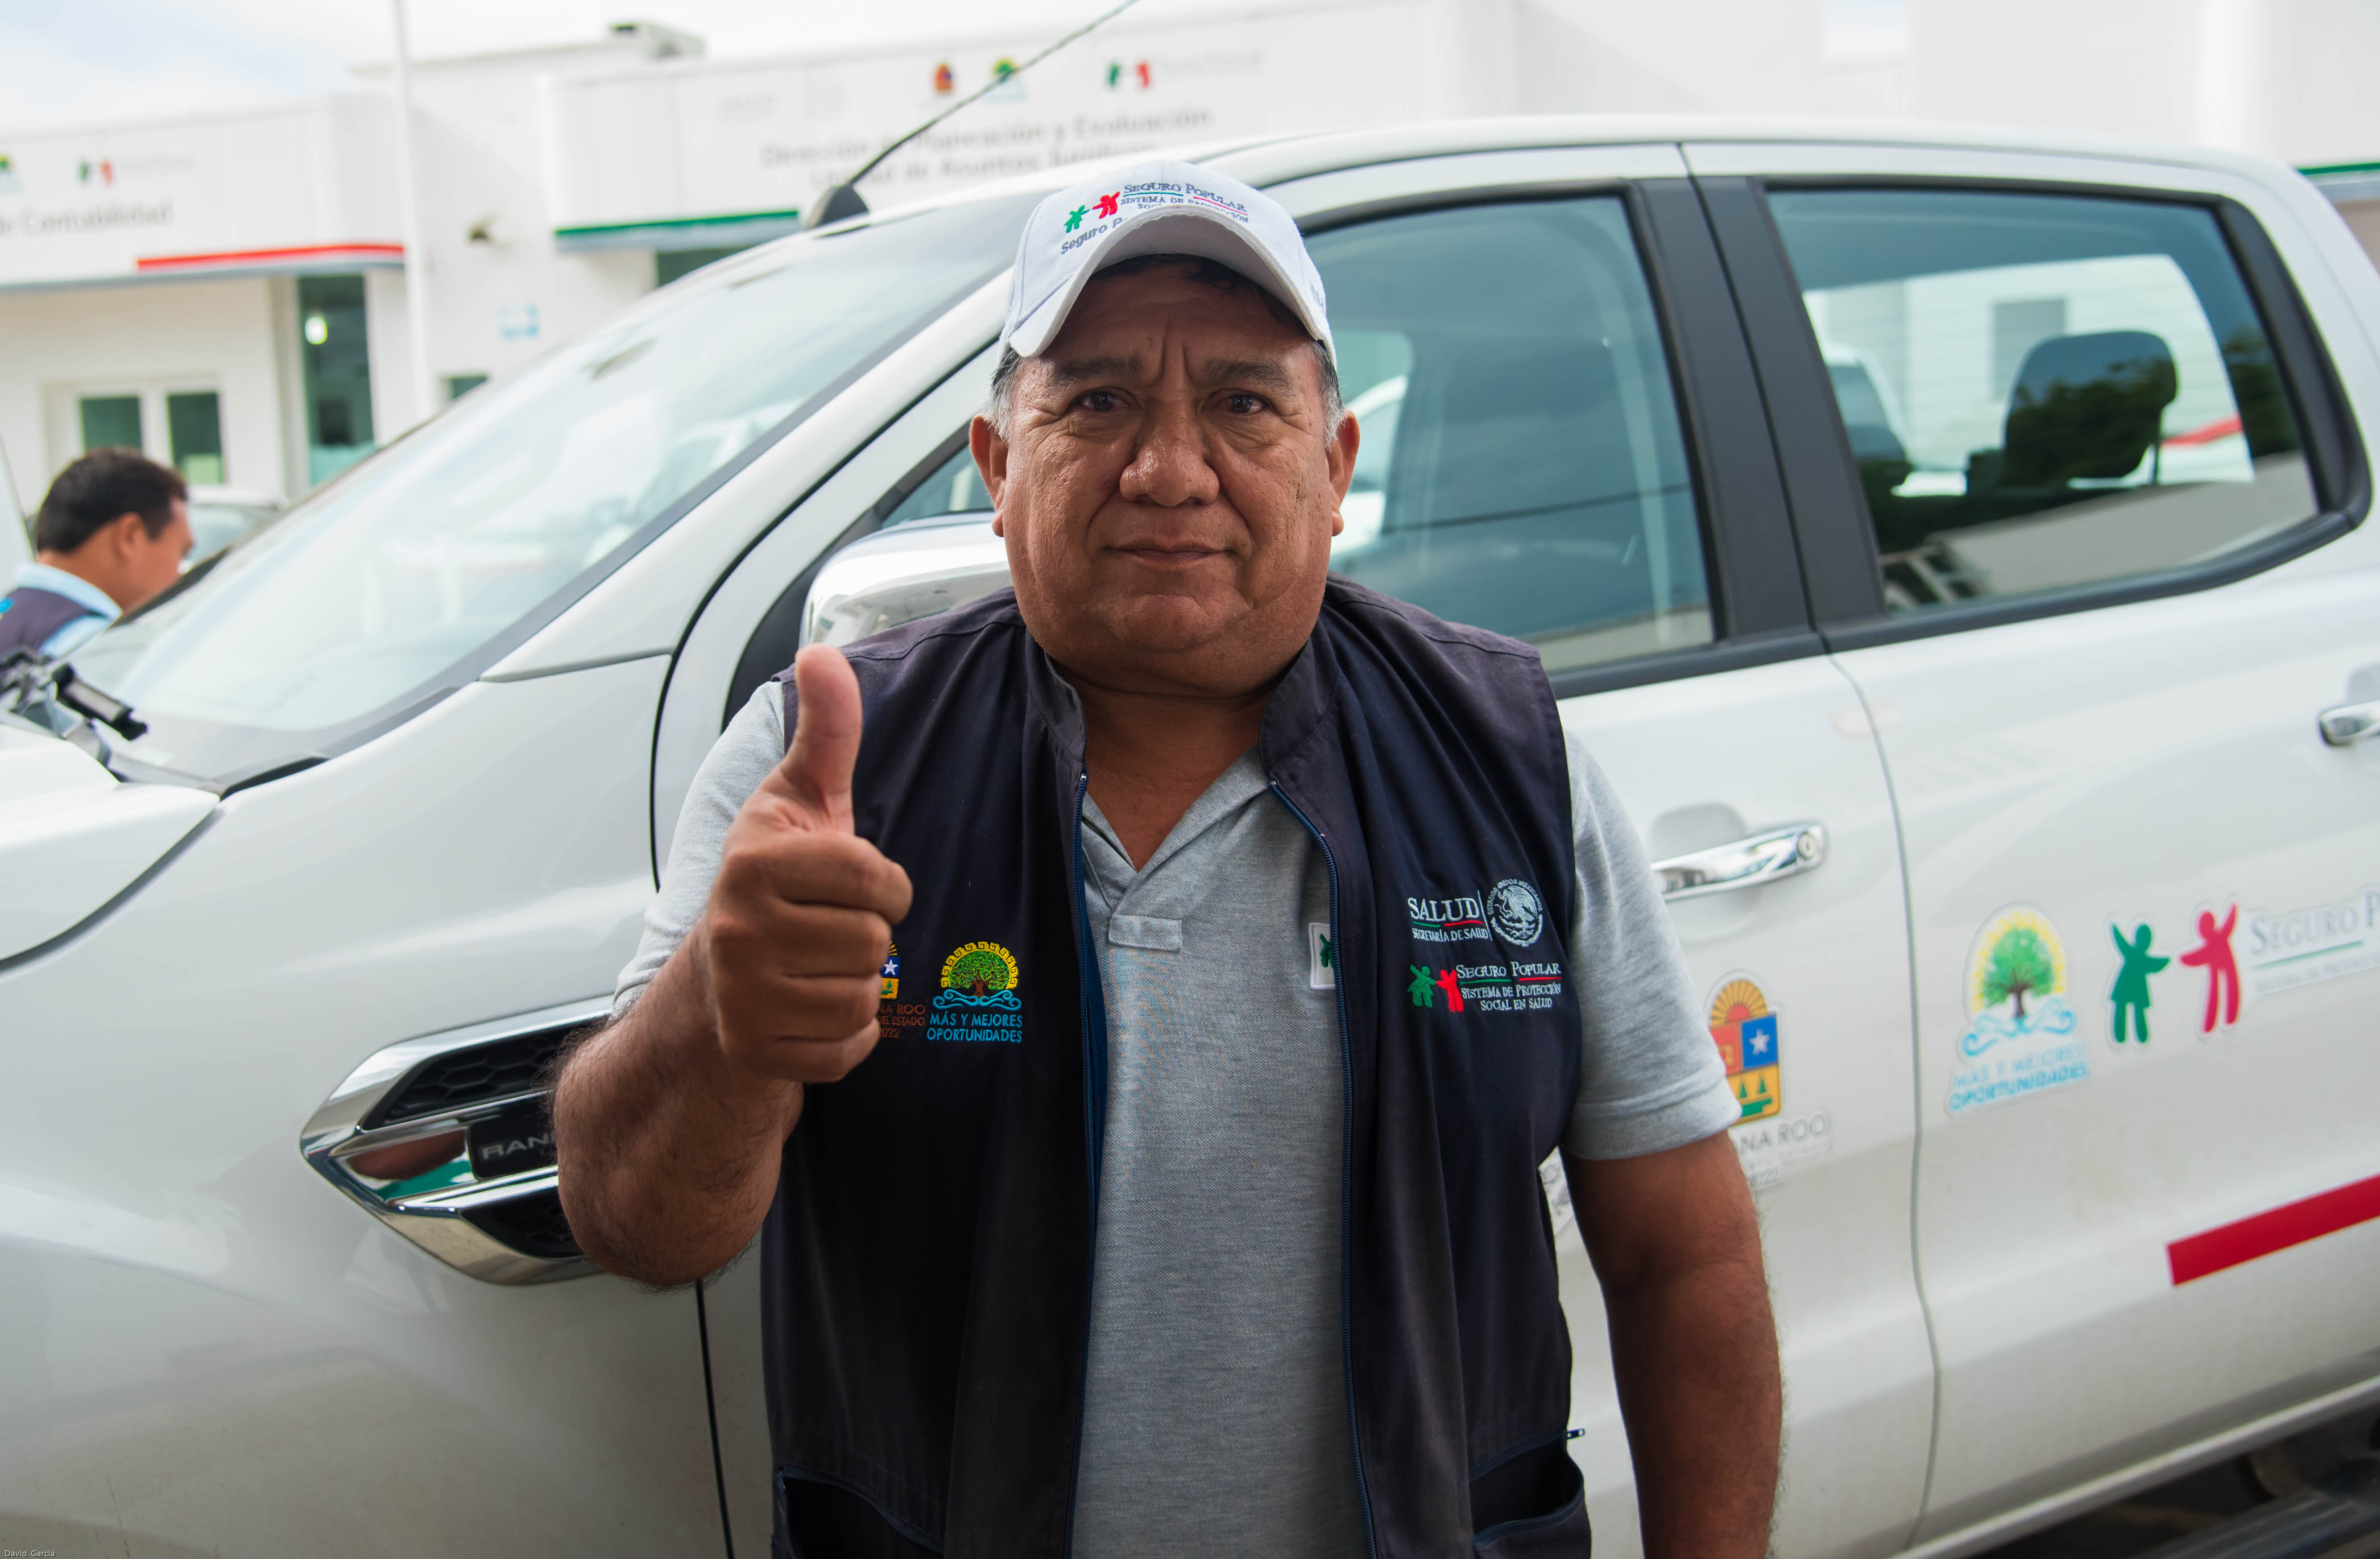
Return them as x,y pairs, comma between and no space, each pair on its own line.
844,200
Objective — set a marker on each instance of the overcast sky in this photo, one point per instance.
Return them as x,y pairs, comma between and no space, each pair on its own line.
74,62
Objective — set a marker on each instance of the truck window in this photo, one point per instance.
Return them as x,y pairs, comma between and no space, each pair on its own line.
1523,467
2044,390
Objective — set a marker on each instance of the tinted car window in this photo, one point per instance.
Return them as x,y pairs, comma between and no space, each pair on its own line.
2044,390
955,488
1522,467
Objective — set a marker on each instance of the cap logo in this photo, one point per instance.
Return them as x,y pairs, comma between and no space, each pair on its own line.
1106,207
1076,231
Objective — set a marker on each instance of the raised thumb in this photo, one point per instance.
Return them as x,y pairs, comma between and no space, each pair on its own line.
818,763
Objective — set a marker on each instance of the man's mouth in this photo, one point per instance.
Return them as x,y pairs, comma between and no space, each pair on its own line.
1158,555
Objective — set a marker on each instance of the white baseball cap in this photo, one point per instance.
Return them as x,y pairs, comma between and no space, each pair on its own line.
1155,208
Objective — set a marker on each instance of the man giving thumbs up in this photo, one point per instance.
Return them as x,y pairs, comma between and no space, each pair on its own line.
1132,1008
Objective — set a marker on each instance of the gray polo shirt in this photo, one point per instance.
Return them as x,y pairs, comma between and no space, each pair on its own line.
1215,1413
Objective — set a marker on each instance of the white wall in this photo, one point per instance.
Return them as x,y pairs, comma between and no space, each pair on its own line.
2284,78
183,334
480,140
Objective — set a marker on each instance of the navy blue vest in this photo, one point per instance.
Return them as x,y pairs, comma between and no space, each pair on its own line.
927,1263
29,615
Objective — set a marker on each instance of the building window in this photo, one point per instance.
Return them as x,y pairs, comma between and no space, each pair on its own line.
111,422
194,429
337,360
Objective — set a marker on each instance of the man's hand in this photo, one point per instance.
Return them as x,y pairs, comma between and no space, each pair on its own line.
1676,1245
670,1125
794,940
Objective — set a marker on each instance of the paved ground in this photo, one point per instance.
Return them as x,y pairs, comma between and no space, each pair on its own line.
2206,1498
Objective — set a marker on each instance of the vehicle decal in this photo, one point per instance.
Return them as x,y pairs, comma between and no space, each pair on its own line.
2262,1234
2282,951
2020,1037
2128,997
1765,1147
2214,955
1745,1027
2217,961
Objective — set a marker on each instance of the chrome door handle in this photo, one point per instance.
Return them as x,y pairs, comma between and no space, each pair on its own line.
1747,862
2350,722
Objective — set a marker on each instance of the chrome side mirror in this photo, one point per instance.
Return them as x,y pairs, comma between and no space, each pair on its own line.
898,575
446,1141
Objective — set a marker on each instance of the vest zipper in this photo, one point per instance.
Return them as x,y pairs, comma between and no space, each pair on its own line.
1095,1057
1346,1179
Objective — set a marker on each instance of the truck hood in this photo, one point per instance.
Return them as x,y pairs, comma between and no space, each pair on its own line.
73,838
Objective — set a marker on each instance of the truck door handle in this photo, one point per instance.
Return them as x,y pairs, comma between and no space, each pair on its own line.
2350,722
1747,862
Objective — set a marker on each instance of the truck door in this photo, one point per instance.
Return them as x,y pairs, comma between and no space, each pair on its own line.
2101,489
1561,443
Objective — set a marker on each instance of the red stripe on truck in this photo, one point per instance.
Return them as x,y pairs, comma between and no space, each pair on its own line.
2264,1233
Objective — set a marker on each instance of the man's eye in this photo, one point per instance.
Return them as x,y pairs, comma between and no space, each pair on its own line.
1243,405
1100,401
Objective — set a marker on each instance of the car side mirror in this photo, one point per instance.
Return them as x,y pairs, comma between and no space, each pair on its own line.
901,575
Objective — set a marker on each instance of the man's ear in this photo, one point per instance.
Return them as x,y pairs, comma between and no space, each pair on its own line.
991,452
1340,454
125,533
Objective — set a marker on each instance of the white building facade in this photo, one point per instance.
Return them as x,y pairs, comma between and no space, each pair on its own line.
229,292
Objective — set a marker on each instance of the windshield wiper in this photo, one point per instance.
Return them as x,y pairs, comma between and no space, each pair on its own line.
52,694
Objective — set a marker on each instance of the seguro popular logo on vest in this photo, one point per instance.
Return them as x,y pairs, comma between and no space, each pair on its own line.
1512,913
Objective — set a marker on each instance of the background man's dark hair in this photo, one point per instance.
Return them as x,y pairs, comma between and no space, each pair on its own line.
101,488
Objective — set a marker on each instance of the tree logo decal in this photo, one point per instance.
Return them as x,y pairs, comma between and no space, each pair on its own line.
2019,1037
2021,957
978,975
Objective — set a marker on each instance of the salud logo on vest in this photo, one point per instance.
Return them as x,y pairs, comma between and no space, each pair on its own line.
978,1000
1459,919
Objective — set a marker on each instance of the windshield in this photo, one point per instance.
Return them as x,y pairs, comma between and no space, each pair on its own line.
414,570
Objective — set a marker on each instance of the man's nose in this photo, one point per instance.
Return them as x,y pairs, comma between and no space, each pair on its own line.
1170,469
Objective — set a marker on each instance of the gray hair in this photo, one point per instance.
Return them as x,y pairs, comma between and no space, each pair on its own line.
1000,407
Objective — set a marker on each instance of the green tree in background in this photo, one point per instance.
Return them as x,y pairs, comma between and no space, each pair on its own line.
2019,965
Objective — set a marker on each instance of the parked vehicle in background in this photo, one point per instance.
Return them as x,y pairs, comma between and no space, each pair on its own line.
221,515
2000,758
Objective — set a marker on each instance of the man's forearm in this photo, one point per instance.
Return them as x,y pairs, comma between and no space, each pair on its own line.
668,1151
1695,1358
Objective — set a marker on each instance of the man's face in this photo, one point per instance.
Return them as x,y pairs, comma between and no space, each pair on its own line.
151,563
1168,488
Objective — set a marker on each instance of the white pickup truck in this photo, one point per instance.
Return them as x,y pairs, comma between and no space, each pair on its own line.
1952,545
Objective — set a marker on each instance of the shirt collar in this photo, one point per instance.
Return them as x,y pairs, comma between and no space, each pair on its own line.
74,587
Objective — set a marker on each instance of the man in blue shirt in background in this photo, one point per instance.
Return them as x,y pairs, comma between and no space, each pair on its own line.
112,533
